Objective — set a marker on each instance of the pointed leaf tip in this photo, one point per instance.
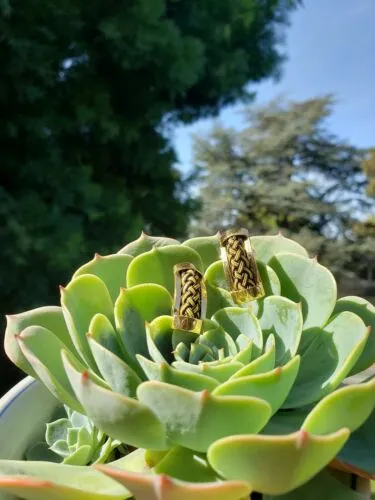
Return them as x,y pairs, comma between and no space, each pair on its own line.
97,256
84,377
163,482
302,439
205,395
24,482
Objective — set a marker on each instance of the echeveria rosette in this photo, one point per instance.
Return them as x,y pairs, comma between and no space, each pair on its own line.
260,394
73,439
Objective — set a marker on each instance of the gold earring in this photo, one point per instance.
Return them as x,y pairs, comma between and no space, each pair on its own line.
190,298
240,266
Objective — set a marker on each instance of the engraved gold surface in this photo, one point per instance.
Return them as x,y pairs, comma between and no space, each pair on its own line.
190,298
240,266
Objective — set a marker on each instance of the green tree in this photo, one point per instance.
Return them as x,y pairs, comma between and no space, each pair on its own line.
88,92
368,167
364,231
284,171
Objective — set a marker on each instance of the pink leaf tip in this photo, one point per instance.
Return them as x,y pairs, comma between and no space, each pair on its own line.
204,395
302,438
162,483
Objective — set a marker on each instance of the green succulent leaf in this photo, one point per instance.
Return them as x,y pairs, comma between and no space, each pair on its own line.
57,430
329,488
270,280
43,351
156,266
366,312
195,420
306,281
80,456
275,464
215,275
164,373
146,243
134,308
83,298
61,448
208,247
327,358
186,465
217,298
159,337
155,487
265,362
266,247
221,372
286,421
217,339
282,318
50,317
111,269
101,330
181,352
237,321
348,407
200,352
244,354
272,387
358,452
119,376
185,337
118,416
49,481
218,294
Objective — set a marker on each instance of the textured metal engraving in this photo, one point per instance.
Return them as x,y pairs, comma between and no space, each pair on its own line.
240,266
190,298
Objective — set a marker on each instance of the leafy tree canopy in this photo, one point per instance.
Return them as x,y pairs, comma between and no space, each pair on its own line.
286,171
86,91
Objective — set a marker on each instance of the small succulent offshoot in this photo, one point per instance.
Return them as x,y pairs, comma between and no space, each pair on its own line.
219,368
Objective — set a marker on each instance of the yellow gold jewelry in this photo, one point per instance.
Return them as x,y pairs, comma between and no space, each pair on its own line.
190,298
240,266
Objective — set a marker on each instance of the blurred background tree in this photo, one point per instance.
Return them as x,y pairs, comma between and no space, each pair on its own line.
88,91
286,171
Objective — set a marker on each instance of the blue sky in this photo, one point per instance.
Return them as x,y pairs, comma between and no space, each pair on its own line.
331,49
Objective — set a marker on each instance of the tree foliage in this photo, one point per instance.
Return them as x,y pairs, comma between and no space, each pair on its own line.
368,167
286,171
87,93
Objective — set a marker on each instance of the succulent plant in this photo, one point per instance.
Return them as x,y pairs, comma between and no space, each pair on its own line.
73,439
215,395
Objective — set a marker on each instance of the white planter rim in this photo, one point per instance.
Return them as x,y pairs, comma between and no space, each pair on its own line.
14,393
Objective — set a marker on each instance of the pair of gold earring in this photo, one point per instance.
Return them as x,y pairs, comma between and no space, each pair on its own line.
241,271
